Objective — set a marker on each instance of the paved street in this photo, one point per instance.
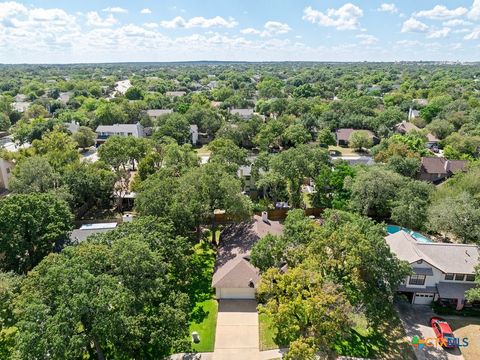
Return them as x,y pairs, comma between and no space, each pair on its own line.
415,319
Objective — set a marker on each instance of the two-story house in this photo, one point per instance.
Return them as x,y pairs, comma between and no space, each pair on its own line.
440,271
105,131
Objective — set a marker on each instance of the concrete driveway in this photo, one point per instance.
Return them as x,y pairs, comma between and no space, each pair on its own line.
237,331
415,320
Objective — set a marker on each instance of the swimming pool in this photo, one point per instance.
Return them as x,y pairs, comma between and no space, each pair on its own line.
392,229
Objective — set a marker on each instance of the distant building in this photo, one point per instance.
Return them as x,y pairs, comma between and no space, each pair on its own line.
21,106
413,114
243,113
437,169
6,167
405,127
422,102
194,134
175,93
156,113
105,131
81,234
343,136
64,97
72,126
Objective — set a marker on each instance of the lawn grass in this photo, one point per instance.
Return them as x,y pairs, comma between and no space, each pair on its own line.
389,342
267,333
203,317
206,327
344,150
203,150
469,328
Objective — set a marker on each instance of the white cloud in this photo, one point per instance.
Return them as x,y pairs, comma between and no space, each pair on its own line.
456,22
270,28
413,25
146,11
198,21
441,12
474,35
151,25
408,43
366,39
10,9
343,18
441,33
391,8
474,12
250,31
93,19
117,10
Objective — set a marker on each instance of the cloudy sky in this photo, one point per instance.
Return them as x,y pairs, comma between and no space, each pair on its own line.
254,30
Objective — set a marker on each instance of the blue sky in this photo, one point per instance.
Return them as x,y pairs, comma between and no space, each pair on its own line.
113,31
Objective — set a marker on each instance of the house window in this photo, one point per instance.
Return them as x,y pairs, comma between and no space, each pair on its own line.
449,276
470,277
459,277
417,280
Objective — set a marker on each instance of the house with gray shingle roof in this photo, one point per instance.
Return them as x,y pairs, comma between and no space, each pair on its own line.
440,271
436,169
234,276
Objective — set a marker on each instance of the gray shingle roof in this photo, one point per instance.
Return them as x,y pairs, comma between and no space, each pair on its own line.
236,242
448,290
448,258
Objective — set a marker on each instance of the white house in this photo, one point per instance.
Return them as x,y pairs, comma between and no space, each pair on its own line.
105,131
243,113
6,167
194,133
156,113
441,272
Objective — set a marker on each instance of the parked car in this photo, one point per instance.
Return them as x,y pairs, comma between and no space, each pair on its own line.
443,331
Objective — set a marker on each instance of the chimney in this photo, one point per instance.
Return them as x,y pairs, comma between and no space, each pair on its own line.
265,216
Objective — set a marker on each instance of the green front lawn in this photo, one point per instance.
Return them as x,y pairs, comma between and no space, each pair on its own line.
207,316
203,317
267,333
389,342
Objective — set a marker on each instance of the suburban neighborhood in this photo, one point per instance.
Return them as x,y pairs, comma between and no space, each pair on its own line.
304,193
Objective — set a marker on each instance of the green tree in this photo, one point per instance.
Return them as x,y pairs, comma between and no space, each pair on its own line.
373,190
84,137
32,225
174,126
360,139
134,93
458,215
410,207
34,174
4,122
117,296
350,250
296,164
90,183
109,113
325,137
225,151
9,289
268,252
302,304
301,349
440,128
295,135
58,148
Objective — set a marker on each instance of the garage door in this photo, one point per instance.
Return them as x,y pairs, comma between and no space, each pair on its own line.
236,293
423,298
